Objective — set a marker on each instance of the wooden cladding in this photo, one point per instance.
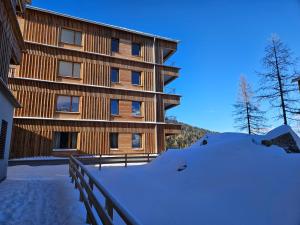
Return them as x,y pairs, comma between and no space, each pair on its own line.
42,27
37,136
42,62
38,100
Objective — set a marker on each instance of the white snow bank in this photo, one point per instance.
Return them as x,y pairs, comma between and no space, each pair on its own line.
232,180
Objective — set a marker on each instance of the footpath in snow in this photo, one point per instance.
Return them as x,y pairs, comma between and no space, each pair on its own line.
231,180
40,195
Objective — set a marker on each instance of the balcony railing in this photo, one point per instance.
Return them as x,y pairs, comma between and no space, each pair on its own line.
170,119
169,90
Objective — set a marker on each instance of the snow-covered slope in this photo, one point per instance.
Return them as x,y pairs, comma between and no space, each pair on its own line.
232,180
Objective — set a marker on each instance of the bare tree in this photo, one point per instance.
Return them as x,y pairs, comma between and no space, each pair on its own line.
247,114
276,84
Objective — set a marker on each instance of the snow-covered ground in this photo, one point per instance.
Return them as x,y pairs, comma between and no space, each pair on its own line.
233,180
40,195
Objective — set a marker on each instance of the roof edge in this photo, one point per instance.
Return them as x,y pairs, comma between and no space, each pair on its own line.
102,24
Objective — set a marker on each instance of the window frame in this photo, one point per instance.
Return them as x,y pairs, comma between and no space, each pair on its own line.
117,100
111,69
140,77
132,49
110,134
111,46
72,73
141,141
74,36
71,104
69,141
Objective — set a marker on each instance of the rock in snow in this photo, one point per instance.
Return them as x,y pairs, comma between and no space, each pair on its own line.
232,180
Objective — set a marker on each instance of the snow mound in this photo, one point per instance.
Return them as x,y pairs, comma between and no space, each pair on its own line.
232,179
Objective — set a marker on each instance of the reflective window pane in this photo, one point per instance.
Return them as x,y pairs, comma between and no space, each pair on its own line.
136,140
136,78
113,138
114,45
78,38
114,75
67,36
114,107
65,68
76,70
136,49
63,103
136,108
75,104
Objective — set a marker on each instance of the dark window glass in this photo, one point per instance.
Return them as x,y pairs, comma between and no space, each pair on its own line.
136,140
136,108
114,75
67,104
3,135
113,139
114,107
114,45
65,140
71,37
136,78
136,49
69,69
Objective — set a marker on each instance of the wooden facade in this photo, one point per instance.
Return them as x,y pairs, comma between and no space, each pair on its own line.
11,47
37,83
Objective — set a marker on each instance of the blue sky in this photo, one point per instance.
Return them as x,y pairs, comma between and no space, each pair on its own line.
220,40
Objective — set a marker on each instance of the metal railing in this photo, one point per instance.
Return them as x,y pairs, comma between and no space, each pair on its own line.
86,183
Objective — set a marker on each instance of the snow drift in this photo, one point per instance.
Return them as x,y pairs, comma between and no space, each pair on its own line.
231,180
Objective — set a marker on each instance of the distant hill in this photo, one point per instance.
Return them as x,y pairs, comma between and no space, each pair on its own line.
189,135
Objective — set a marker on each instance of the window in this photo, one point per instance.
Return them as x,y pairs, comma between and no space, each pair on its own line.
136,49
113,140
115,45
69,69
114,107
67,103
71,37
65,140
114,75
136,78
3,133
136,108
136,141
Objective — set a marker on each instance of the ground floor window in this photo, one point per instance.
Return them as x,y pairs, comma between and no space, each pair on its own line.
114,140
65,140
3,135
136,141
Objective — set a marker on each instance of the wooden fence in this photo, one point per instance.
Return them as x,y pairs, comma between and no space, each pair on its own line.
86,183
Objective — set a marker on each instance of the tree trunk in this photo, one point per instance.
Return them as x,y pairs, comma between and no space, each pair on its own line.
280,86
248,118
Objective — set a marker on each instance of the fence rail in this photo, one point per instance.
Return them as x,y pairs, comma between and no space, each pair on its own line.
86,183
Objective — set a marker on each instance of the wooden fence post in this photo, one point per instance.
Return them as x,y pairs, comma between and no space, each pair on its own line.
109,208
125,160
148,157
100,162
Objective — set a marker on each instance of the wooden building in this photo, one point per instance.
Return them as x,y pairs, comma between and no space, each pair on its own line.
90,88
11,46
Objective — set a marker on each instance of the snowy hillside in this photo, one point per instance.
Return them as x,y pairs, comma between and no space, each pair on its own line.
232,180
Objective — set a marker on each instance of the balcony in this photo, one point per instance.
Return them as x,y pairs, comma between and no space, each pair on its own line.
171,101
169,74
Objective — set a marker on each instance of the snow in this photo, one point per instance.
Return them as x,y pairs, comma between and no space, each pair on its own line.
40,195
232,180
